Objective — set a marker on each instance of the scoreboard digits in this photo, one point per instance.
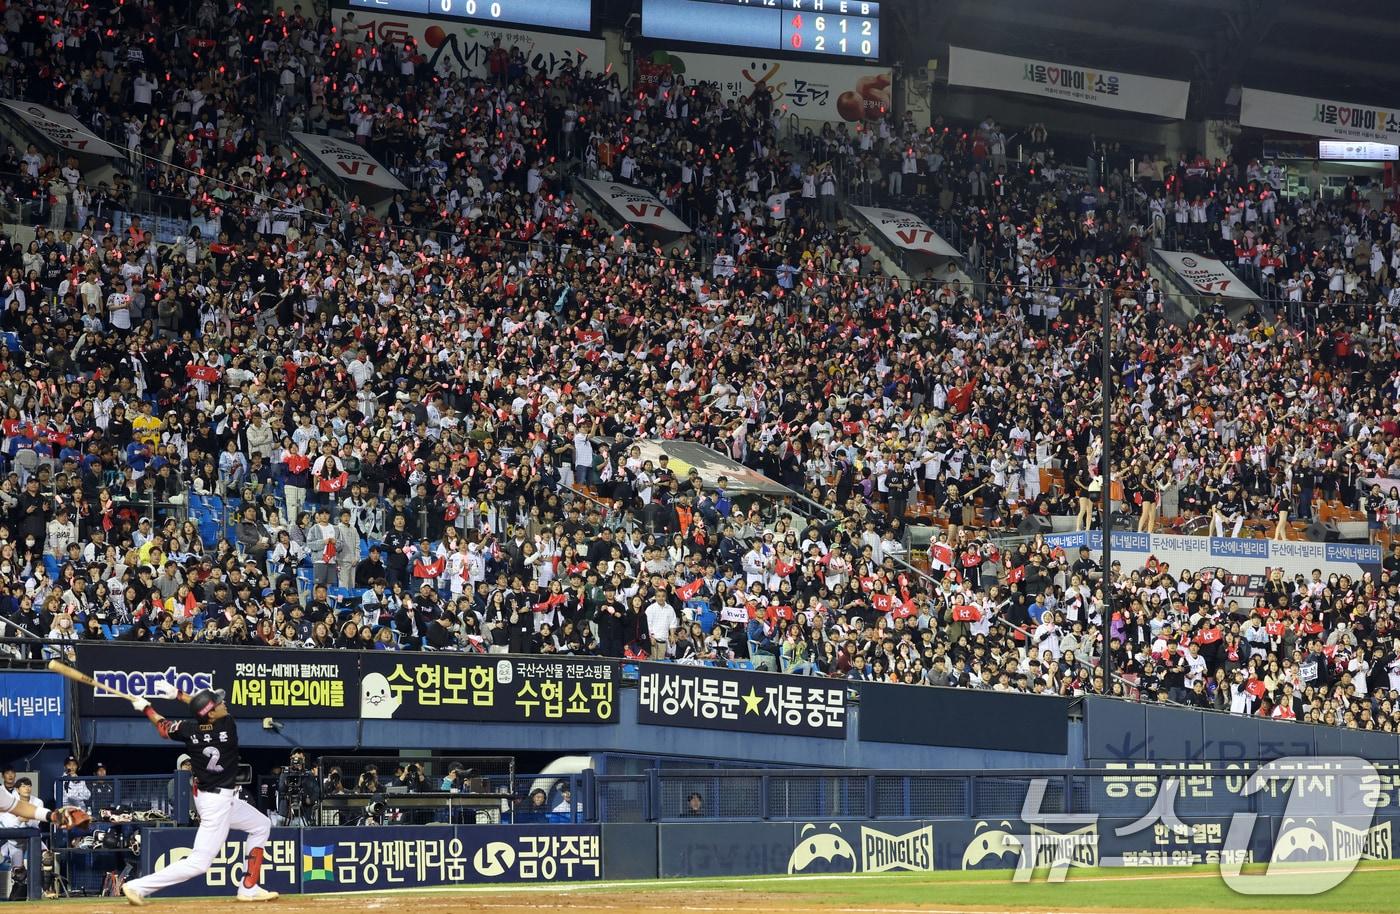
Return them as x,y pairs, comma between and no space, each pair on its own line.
841,28
821,33
573,15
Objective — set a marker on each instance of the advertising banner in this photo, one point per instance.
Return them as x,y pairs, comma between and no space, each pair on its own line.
637,206
348,161
816,91
314,860
1207,276
1318,117
466,687
33,707
712,698
62,129
259,682
1242,565
1101,88
907,231
456,48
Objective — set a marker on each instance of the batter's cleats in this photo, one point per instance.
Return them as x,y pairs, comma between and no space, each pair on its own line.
256,893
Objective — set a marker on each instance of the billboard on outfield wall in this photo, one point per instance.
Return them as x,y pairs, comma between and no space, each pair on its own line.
314,860
359,684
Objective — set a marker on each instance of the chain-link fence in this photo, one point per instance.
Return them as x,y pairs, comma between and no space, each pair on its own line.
126,798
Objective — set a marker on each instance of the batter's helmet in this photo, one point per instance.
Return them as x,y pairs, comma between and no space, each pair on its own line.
204,701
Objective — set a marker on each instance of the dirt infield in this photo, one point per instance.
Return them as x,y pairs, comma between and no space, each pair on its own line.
639,900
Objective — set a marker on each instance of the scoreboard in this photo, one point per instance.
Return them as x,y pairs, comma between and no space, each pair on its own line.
574,15
840,28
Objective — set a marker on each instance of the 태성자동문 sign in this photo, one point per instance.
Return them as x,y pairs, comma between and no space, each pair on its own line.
907,231
1084,85
637,206
1320,117
1207,276
33,707
284,683
466,687
714,698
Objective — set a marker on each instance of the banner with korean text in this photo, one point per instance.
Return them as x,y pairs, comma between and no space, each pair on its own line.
1243,566
808,89
1318,117
33,707
259,682
906,231
467,687
1207,276
637,206
1085,85
714,698
458,48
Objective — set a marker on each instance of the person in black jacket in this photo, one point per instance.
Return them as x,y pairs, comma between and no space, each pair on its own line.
396,560
412,624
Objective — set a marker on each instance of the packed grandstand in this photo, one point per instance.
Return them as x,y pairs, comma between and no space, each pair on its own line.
302,422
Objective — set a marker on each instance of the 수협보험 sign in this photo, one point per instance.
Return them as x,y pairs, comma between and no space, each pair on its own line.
445,686
722,699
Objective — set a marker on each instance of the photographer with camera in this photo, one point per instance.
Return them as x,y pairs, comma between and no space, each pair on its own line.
298,792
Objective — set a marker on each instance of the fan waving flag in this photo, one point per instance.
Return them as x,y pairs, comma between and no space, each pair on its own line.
905,609
967,614
1016,575
783,569
423,569
882,602
686,591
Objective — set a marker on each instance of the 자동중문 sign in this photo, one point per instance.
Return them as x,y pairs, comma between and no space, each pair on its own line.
714,698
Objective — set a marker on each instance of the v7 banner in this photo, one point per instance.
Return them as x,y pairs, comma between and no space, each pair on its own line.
637,206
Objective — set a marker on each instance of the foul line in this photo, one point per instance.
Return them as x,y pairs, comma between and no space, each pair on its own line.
740,881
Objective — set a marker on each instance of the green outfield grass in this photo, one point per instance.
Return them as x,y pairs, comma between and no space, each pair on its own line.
1374,887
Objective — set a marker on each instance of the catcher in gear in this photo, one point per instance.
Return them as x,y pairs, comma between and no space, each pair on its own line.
211,738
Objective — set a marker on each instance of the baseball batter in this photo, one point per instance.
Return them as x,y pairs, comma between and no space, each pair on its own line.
212,740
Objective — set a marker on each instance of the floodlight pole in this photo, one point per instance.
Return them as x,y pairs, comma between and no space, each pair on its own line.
1106,512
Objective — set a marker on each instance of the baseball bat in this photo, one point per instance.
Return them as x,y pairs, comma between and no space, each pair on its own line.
79,676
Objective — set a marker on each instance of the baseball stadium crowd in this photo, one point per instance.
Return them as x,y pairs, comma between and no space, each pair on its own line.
300,423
